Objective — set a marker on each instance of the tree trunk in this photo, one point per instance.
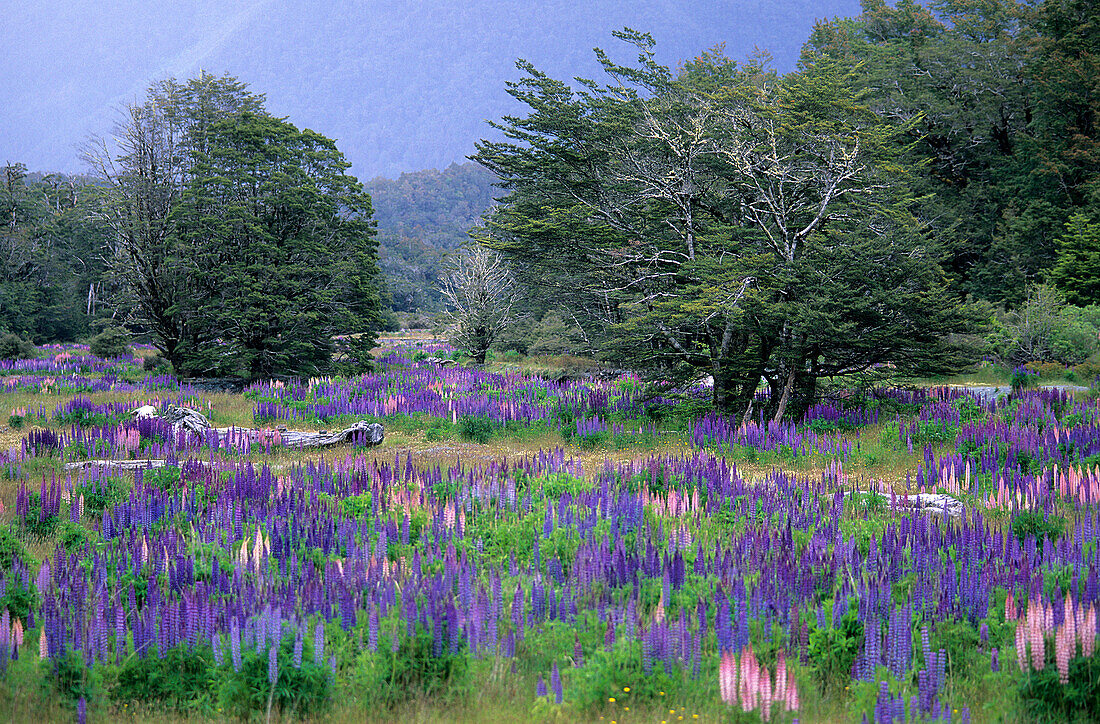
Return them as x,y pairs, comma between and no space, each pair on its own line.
785,397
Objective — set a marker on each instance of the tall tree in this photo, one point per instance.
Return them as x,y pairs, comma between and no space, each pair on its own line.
147,162
729,222
277,242
240,242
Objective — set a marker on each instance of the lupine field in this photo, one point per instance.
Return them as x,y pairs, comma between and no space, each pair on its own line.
520,549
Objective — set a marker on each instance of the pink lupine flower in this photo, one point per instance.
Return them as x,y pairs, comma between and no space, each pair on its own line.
1021,646
1062,649
727,677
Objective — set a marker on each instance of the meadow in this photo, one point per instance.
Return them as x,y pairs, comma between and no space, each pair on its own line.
526,549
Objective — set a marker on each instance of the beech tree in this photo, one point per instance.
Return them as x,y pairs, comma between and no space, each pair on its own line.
481,296
240,242
724,221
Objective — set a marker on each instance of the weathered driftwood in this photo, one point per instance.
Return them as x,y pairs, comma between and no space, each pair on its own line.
363,432
186,418
369,433
120,464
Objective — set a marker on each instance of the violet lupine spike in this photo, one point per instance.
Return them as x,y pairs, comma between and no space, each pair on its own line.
273,665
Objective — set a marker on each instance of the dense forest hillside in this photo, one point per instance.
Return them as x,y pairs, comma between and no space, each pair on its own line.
422,216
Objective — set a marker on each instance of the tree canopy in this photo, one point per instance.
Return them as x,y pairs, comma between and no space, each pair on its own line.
241,243
724,221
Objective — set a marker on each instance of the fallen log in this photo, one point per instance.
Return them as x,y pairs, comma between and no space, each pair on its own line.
361,432
120,464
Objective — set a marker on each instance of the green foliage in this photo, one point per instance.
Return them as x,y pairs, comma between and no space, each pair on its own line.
1077,267
181,679
476,428
101,493
15,422
165,477
606,673
111,343
833,650
73,536
19,598
414,670
11,548
298,692
1036,524
711,287
33,522
1046,699
275,278
12,346
65,676
356,506
157,364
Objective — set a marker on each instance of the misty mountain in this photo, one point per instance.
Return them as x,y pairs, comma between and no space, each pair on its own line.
401,86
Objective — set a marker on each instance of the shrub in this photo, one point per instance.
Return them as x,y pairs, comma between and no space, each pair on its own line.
833,650
181,679
298,692
606,673
11,548
165,478
102,493
1033,524
1046,699
12,346
67,676
415,670
33,522
73,536
157,363
475,428
1023,378
111,343
20,598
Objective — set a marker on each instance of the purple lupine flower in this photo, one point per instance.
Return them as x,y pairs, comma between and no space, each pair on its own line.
298,647
540,687
235,645
555,683
273,665
319,643
82,711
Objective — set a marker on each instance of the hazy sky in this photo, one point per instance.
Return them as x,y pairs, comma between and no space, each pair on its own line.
400,85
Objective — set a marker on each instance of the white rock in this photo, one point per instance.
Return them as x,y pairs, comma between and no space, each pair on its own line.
144,411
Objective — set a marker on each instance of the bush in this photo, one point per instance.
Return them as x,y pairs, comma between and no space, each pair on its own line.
833,650
11,549
475,429
606,673
111,343
102,493
181,680
12,346
67,676
415,670
20,598
1046,699
157,363
1033,524
298,692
